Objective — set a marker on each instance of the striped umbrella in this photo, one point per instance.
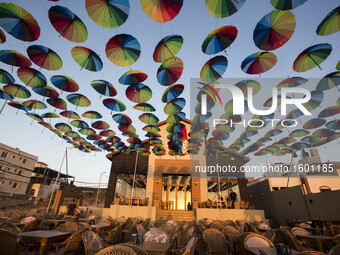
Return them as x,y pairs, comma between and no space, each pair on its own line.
330,24
258,63
87,59
334,124
79,124
14,58
114,105
32,77
149,118
286,4
132,77
44,57
57,103
223,8
138,93
213,69
101,125
172,92
168,47
331,80
70,115
64,83
92,115
6,78
78,100
329,111
144,107
35,104
170,71
16,90
299,133
161,10
47,92
314,123
104,88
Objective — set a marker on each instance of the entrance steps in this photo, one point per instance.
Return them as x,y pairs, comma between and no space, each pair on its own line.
176,215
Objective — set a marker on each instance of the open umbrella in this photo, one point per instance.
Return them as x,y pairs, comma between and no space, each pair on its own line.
79,124
286,4
213,69
44,57
329,111
114,105
6,77
63,127
18,22
132,77
322,133
4,95
330,24
57,103
314,123
245,84
331,80
87,58
315,100
2,37
299,133
174,119
87,131
18,105
338,65
274,30
104,88
123,50
219,39
291,82
172,92
101,125
127,129
258,63
35,104
138,93
334,124
223,8
47,92
49,115
151,128
175,106
67,24
32,77
70,115
170,71
168,47
92,115
149,118
16,90
107,133
78,100
122,119
312,57
64,83
161,10
14,58
144,107
108,13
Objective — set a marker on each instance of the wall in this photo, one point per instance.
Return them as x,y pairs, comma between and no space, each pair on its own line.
42,191
229,214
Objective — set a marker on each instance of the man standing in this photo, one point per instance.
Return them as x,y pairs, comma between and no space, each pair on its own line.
72,208
233,198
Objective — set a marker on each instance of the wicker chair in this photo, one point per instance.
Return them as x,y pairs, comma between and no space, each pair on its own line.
270,234
71,227
113,235
117,250
187,236
85,225
9,226
92,242
217,225
70,245
188,249
216,242
4,214
253,240
289,239
16,216
232,235
136,249
313,253
299,231
31,224
12,244
68,218
251,228
335,250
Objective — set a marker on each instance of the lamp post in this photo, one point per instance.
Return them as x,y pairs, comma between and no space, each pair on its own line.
100,179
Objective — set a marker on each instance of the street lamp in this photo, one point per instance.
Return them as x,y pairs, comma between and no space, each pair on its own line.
100,178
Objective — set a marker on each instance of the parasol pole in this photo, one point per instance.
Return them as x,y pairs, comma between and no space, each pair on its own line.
133,184
2,108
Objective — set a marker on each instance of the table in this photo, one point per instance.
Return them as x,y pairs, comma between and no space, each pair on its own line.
44,238
53,222
155,248
83,219
270,251
132,200
317,239
97,228
169,205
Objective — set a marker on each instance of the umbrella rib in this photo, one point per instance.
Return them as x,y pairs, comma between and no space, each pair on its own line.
313,60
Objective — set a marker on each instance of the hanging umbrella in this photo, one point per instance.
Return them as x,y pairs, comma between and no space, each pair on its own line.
331,80
16,90
294,114
34,116
113,139
32,77
149,118
123,50
34,104
6,78
314,123
338,65
138,93
114,105
14,58
57,103
286,4
170,71
173,119
63,127
291,82
219,39
18,105
274,30
72,134
107,133
151,128
272,132
87,131
104,88
223,8
176,128
213,69
175,106
18,22
334,124
44,57
144,107
258,63
67,24
330,24
122,119
323,132
2,37
299,133
64,83
47,92
101,125
127,129
245,84
4,95
92,115
161,10
87,59
70,115
315,100
329,111
78,100
79,124
49,115
168,47
108,13
172,92
132,77
311,57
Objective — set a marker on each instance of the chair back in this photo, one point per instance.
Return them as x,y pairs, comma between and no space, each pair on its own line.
139,251
300,232
270,234
217,225
74,242
190,247
117,250
84,225
229,230
335,250
92,241
9,242
216,241
71,227
31,225
288,239
9,226
4,214
156,236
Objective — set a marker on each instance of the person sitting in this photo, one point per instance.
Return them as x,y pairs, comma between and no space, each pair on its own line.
72,208
233,198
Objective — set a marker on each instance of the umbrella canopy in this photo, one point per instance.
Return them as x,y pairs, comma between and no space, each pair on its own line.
312,57
2,37
87,131
78,100
151,128
70,115
87,59
291,82
274,30
127,129
170,71
168,47
219,39
245,84
67,24
63,127
144,107
175,106
101,125
18,22
314,123
174,119
149,118
334,124
16,90
79,124
34,116
272,132
172,92
35,104
299,133
161,10
108,13
122,119
286,4
49,115
104,88
107,133
213,69
138,93
6,77
123,50
14,58
47,92
57,103
132,77
32,77
114,105
18,105
315,100
92,115
44,57
329,111
331,80
223,8
64,83
4,95
323,132
338,65
330,24
258,63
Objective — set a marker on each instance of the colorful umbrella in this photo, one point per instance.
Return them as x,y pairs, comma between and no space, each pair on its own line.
213,69
311,57
151,128
219,39
138,93
18,105
49,115
87,59
47,92
107,133
67,24
114,105
149,118
57,103
258,63
323,132
334,124
172,92
161,10
338,65
272,132
330,24
108,13
64,83
44,57
168,47
78,100
101,125
223,8
123,50
2,37
16,90
6,78
92,115
314,123
274,30
291,82
63,127
175,106
72,134
79,124
299,133
87,131
329,111
4,95
70,115
170,71
315,100
35,104
32,77
13,58
245,84
144,107
132,77
34,116
331,80
122,119
286,4
18,22
104,88
173,119
127,129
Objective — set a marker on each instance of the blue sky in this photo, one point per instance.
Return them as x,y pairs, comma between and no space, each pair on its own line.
193,22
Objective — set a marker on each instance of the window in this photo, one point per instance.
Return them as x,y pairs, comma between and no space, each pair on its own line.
24,161
4,154
14,185
32,192
275,188
10,183
124,186
0,167
20,158
15,170
9,169
14,156
20,172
